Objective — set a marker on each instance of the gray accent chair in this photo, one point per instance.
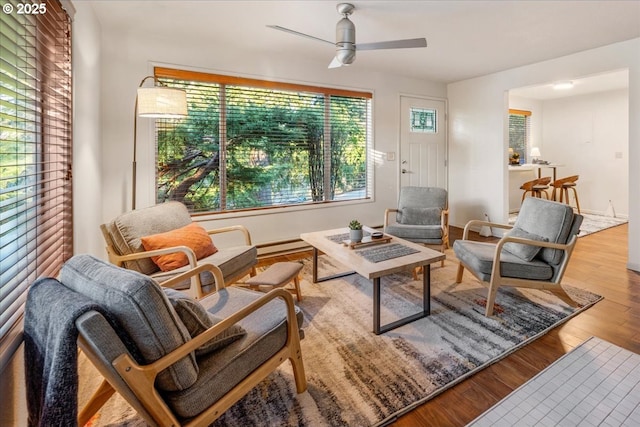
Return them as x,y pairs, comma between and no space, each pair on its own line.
124,248
534,253
422,216
156,367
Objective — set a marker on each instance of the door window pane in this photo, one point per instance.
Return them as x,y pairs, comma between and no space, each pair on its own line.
423,120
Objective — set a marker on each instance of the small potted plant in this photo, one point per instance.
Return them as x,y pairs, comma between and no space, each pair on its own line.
355,231
515,159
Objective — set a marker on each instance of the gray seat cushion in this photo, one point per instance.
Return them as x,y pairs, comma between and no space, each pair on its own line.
557,225
127,230
224,368
525,252
419,215
232,261
478,256
197,320
429,234
421,197
141,309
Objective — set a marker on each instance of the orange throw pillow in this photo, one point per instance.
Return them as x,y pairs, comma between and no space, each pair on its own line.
192,236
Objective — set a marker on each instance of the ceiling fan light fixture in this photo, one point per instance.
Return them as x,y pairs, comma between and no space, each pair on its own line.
346,55
345,31
345,43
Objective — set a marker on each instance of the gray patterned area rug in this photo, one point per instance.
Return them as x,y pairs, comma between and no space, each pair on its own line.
591,223
594,223
357,378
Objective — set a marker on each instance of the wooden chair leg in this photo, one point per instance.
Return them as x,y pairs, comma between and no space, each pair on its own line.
564,296
296,284
97,401
491,299
459,274
575,193
298,366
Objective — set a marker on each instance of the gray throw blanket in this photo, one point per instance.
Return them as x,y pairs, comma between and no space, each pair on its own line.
51,354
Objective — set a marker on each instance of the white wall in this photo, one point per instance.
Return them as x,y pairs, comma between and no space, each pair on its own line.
87,144
589,135
127,58
478,139
583,133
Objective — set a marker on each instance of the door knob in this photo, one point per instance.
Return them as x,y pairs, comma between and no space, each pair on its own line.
404,171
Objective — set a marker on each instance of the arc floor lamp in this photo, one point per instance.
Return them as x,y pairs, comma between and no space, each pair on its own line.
159,102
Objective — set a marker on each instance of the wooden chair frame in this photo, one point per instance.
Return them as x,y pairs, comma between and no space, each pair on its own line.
141,378
498,280
536,187
562,186
195,290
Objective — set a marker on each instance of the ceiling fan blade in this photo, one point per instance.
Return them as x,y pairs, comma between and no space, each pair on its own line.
393,44
297,33
335,63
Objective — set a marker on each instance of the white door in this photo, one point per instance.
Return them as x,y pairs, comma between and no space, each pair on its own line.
423,142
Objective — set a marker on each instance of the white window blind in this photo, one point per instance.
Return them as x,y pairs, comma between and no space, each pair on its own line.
250,144
35,153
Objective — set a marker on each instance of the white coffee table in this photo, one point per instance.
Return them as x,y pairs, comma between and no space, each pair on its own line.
374,271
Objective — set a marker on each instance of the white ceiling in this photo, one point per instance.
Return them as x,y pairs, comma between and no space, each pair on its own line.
465,38
614,80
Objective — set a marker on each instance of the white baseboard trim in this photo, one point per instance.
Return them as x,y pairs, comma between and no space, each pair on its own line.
633,266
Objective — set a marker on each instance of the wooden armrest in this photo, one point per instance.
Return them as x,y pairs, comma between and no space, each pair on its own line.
130,371
568,248
214,269
444,220
240,228
387,212
482,223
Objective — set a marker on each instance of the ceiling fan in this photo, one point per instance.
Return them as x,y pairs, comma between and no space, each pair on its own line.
345,43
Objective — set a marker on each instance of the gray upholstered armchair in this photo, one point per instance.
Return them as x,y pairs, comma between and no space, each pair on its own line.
534,253
183,362
422,216
127,235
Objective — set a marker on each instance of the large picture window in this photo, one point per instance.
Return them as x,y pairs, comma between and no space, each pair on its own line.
35,155
249,144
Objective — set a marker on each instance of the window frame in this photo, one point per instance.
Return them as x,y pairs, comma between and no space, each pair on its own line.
162,72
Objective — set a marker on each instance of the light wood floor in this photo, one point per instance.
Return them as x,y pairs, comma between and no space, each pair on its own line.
598,264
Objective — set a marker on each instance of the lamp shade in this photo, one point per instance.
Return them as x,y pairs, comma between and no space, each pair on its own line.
162,102
535,152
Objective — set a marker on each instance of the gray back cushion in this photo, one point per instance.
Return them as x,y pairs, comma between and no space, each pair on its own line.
141,308
547,219
127,230
413,198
